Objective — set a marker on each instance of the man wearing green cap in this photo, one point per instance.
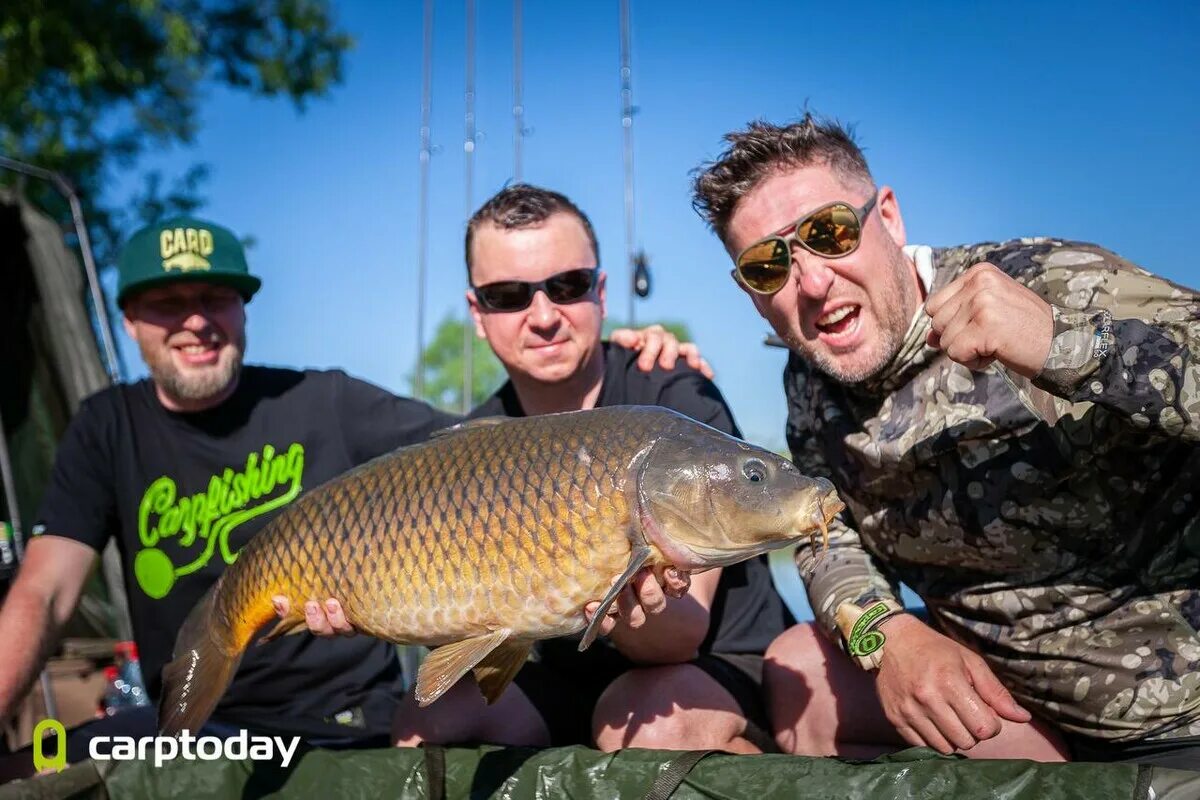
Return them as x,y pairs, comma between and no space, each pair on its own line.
184,468
164,270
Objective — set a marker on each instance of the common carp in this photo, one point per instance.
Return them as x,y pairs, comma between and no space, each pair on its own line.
493,534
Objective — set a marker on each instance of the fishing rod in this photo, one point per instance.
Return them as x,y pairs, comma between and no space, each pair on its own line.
423,197
468,342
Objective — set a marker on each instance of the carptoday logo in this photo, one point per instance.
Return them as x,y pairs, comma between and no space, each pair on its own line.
161,749
59,761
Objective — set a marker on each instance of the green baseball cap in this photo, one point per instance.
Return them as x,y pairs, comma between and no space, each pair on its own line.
183,249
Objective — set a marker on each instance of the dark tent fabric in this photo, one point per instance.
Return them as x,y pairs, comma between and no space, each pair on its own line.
51,362
578,772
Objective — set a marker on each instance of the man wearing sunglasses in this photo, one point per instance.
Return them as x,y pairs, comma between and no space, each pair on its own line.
1013,428
678,673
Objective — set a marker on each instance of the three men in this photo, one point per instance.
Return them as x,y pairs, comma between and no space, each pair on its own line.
1012,427
685,677
981,409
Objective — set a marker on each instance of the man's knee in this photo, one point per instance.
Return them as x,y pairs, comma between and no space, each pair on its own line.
1035,741
447,721
800,662
810,686
461,716
801,649
676,707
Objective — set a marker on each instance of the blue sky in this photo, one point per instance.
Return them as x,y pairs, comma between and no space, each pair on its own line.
991,121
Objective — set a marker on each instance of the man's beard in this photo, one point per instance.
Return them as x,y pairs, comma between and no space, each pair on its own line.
198,385
893,320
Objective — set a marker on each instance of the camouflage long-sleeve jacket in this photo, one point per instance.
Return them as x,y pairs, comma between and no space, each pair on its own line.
1052,525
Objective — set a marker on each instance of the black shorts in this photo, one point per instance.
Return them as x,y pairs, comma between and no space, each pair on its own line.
564,686
1181,753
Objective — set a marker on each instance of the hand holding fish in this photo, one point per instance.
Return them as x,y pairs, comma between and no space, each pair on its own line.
326,620
496,534
642,597
984,315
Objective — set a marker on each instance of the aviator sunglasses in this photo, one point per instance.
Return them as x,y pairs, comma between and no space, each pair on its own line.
563,287
832,231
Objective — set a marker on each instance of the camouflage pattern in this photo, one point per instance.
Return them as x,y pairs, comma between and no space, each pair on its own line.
1052,525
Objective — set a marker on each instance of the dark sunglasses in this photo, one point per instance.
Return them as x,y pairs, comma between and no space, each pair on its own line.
564,287
832,231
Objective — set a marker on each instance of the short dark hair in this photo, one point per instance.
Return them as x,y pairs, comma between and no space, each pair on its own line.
523,205
762,148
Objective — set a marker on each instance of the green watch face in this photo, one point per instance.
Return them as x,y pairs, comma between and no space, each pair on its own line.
866,644
863,642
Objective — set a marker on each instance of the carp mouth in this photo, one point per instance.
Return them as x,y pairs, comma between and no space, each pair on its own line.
816,521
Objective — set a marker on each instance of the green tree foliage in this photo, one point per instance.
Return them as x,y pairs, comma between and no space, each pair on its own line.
89,86
444,364
444,368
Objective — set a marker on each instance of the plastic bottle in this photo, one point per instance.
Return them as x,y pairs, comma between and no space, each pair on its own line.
114,699
130,672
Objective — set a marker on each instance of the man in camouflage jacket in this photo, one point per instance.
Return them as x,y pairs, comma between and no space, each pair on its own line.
1013,428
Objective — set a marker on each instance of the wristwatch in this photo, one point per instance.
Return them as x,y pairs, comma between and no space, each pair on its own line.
858,625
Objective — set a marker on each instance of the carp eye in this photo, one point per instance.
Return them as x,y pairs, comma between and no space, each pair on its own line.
755,470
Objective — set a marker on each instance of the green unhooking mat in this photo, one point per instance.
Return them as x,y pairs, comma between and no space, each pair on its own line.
577,772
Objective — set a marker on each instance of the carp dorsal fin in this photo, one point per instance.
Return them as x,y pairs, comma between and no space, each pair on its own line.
442,668
498,669
637,557
471,424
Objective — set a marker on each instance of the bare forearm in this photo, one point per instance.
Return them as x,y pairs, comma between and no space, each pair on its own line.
28,629
672,637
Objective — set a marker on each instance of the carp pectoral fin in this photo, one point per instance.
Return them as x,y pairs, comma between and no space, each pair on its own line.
442,668
498,669
482,422
636,559
286,626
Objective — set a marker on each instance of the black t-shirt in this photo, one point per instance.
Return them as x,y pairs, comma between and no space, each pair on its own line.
183,493
747,612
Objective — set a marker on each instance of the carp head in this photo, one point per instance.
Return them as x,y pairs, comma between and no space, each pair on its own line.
706,499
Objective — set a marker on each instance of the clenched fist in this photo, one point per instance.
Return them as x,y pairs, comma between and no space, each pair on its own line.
984,316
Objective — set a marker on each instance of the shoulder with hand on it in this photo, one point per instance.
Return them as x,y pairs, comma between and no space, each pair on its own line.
625,383
681,389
